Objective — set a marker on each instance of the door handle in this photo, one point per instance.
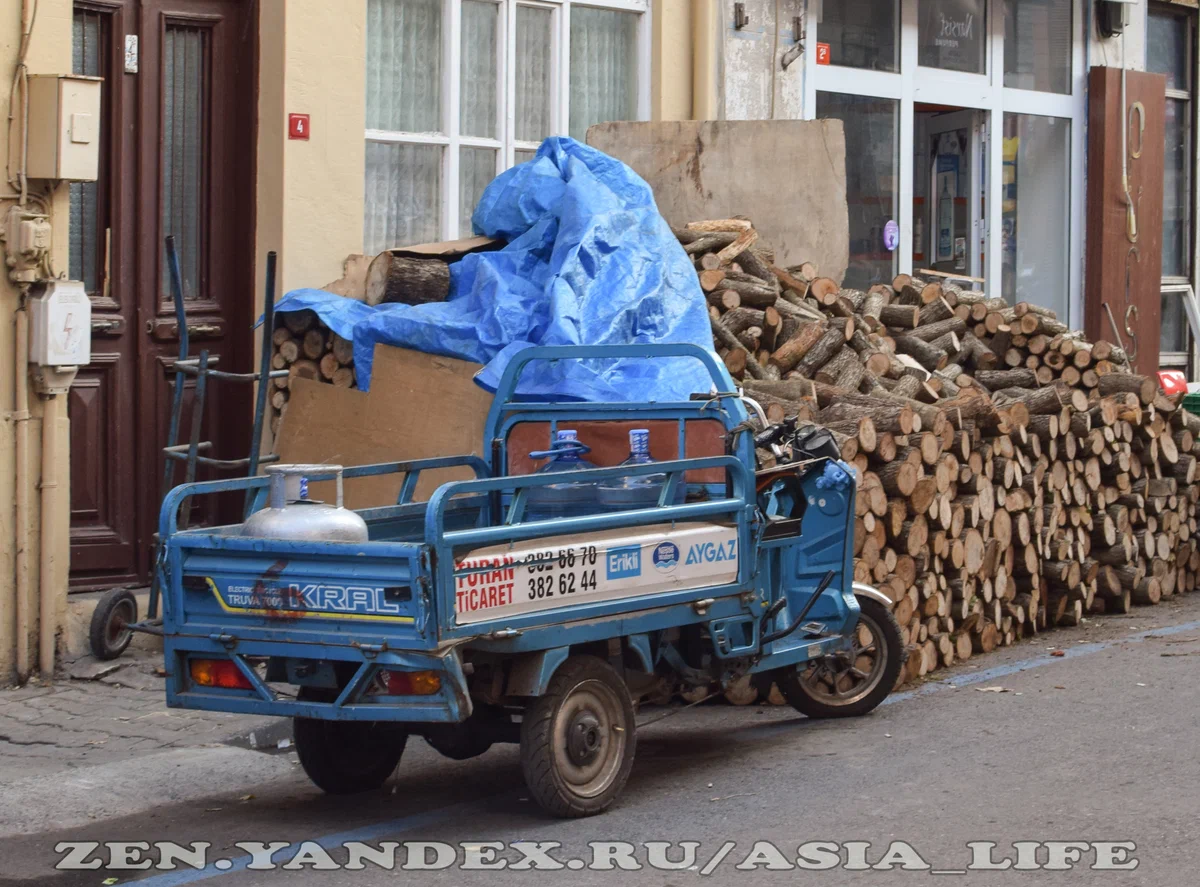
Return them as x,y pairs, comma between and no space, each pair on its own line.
203,329
100,327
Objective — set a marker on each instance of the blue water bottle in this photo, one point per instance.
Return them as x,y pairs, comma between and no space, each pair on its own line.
568,498
640,491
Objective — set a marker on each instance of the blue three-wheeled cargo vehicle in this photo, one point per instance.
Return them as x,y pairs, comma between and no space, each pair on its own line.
539,602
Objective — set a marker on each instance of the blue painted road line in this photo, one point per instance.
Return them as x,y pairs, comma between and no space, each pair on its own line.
392,827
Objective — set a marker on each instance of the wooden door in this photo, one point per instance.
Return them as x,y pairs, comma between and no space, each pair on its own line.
180,162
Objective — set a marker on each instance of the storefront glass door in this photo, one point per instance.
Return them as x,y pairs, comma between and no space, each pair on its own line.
949,230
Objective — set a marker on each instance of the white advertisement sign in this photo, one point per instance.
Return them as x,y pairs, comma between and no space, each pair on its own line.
563,571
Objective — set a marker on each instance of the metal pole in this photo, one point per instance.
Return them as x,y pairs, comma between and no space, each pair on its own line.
264,377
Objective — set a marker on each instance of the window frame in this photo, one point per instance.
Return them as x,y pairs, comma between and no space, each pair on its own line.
1181,285
916,84
451,139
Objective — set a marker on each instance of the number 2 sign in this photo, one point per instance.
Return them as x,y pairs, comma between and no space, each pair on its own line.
822,53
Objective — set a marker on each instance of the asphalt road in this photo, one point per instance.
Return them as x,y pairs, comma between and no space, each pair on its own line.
1099,745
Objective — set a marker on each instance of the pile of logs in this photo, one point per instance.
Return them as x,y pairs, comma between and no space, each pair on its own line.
307,349
1012,476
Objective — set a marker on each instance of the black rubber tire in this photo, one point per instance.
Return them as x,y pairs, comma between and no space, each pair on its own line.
347,757
107,636
579,681
458,742
798,696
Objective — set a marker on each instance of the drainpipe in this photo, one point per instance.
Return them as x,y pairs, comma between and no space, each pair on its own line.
705,38
48,612
21,431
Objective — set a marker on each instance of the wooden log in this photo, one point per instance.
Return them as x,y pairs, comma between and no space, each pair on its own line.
313,345
343,349
289,351
299,322
1120,383
821,352
792,351
925,354
900,316
932,331
406,279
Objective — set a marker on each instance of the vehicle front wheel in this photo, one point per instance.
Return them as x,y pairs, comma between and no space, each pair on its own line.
578,740
854,682
347,757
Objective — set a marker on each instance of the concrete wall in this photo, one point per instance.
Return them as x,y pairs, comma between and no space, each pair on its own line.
49,53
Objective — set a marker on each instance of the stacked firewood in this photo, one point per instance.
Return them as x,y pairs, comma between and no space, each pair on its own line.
307,349
1012,476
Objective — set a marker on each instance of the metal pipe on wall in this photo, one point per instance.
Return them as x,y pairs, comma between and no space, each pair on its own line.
21,510
47,578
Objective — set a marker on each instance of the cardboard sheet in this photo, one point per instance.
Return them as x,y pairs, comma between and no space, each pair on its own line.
420,406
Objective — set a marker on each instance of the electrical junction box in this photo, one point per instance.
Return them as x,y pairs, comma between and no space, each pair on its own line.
60,324
64,127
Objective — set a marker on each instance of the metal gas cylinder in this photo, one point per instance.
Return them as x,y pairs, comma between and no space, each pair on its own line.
290,514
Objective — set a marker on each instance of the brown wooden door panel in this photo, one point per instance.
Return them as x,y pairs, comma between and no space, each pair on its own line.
103,539
102,403
183,128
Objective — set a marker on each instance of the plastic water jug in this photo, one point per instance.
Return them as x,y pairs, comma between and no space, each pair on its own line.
640,491
568,498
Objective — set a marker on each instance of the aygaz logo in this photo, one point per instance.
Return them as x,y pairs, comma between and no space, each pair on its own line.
666,557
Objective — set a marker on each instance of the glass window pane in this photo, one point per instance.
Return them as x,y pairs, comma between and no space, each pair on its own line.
1037,45
85,228
862,34
185,57
520,156
404,65
403,195
872,179
952,34
476,169
1174,335
1167,47
534,43
1177,191
477,89
603,67
1036,210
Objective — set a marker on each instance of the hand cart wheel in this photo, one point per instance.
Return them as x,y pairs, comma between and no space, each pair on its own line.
109,633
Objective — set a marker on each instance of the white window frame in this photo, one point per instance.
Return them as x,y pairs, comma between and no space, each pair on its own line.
1185,286
985,92
451,140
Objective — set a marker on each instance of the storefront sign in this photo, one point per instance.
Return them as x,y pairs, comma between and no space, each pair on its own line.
951,34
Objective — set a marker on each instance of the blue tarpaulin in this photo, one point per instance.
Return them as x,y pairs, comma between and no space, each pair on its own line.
589,261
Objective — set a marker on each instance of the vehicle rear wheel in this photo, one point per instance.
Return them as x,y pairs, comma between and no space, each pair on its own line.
458,742
853,683
578,740
347,757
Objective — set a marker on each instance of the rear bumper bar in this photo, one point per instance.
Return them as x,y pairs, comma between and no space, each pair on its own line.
357,699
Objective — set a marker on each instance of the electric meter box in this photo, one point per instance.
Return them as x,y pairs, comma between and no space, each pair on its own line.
60,324
64,127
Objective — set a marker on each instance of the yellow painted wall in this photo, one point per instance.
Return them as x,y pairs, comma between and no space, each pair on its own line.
49,53
310,193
